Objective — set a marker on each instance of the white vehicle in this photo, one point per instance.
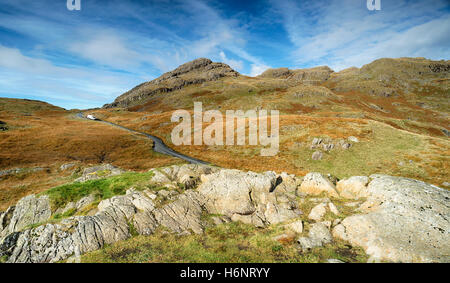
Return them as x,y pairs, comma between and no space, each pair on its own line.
91,117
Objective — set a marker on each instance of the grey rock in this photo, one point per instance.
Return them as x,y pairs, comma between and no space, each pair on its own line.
98,172
403,220
66,166
28,211
318,236
353,139
317,155
249,197
85,202
346,145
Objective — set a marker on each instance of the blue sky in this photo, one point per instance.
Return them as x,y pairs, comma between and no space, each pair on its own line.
83,59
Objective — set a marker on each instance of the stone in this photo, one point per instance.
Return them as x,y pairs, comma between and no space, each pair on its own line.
85,202
316,142
333,260
346,145
189,182
250,197
321,232
66,166
336,222
316,183
317,155
318,235
353,139
318,212
352,204
403,220
164,193
99,172
333,208
296,226
446,184
353,188
328,147
28,211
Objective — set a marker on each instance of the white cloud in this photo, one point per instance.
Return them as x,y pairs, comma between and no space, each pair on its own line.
343,33
69,86
235,64
107,49
257,70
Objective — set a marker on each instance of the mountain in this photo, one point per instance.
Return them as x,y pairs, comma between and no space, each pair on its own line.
191,73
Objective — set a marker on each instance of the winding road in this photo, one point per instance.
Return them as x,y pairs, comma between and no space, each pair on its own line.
158,144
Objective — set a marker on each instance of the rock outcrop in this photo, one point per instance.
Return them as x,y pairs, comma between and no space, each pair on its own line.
98,172
312,76
195,72
316,184
401,220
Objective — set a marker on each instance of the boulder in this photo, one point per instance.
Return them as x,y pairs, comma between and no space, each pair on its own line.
318,235
85,202
318,212
316,183
353,139
317,155
66,166
249,197
333,208
353,188
296,226
28,211
403,220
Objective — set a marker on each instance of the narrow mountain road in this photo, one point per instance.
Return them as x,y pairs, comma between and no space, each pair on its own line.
158,144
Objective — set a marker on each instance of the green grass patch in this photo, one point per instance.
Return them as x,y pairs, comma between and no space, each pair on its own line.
103,188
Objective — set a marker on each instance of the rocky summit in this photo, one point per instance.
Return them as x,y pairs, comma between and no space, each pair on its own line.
395,220
195,72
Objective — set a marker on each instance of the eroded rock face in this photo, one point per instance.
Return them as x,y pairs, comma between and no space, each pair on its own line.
28,211
403,220
249,197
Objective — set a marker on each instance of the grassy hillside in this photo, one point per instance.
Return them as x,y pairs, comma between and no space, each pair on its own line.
41,137
397,108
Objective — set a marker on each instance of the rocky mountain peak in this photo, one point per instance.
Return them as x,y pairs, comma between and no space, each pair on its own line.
194,72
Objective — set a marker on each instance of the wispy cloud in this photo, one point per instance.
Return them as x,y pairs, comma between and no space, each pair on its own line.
343,33
87,58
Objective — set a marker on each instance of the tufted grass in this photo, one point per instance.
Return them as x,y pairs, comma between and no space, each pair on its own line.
232,242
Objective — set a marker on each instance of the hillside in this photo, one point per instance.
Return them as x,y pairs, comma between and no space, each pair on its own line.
40,138
355,146
398,109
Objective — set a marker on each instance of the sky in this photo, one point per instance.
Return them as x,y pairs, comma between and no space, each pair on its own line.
86,58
